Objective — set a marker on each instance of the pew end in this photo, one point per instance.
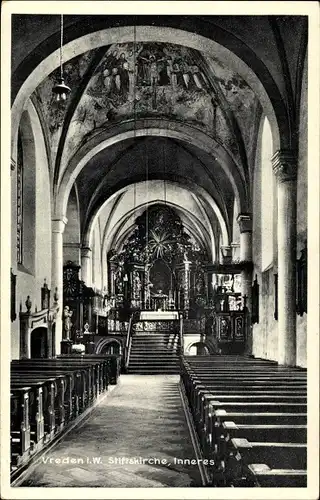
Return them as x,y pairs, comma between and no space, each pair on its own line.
261,475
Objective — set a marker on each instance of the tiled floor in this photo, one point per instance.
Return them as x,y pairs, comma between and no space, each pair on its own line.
141,421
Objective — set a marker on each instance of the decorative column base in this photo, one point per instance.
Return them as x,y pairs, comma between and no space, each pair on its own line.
65,346
90,347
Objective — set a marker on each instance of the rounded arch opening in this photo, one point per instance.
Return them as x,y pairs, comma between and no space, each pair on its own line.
197,349
160,128
39,343
109,346
196,190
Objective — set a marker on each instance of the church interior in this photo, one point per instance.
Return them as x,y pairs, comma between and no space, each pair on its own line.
159,203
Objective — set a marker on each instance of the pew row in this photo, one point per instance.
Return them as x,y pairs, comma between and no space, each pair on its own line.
250,417
47,395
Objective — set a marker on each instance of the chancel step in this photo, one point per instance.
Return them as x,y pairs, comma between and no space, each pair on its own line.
154,353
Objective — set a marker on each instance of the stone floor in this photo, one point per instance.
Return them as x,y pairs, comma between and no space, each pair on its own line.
142,420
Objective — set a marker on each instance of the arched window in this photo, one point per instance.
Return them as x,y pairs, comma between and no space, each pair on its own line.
26,196
19,201
267,197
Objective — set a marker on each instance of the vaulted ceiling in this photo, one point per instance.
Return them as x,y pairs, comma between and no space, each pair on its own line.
163,98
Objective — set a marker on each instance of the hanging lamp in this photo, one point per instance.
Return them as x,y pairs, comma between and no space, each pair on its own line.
61,90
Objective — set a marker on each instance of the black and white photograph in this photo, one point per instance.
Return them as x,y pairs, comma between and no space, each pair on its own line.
159,248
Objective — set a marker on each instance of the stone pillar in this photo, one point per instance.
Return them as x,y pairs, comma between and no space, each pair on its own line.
235,251
284,165
86,263
226,254
58,226
245,224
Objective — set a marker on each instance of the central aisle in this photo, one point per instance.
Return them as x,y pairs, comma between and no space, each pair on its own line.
143,418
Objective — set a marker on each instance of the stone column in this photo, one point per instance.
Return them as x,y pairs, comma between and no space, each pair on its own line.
226,254
245,224
86,263
58,226
285,168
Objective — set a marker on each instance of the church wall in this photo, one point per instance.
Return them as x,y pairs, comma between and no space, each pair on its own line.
265,333
37,245
302,209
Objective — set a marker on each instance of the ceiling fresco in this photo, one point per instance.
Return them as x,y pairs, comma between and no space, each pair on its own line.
146,80
53,114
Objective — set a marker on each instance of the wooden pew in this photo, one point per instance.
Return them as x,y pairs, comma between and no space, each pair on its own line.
54,390
206,425
113,363
268,406
76,390
41,392
255,433
260,475
274,454
63,388
20,425
202,397
222,421
36,419
86,380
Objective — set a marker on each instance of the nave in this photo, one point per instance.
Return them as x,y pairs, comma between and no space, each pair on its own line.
227,421
142,419
158,260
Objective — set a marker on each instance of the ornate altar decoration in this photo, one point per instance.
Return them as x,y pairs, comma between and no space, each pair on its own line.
158,266
81,303
227,313
72,302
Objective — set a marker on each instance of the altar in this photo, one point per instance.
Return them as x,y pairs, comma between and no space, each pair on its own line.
159,301
158,315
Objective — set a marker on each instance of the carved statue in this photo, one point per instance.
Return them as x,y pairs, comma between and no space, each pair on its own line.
67,321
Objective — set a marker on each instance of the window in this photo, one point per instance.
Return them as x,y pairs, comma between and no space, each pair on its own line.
267,197
19,201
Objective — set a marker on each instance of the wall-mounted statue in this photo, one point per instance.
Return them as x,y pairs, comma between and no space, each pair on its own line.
67,322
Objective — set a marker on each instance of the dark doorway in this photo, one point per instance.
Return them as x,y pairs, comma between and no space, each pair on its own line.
112,347
39,343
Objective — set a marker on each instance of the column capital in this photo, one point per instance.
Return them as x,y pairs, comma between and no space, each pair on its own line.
59,224
226,251
86,252
245,223
284,165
